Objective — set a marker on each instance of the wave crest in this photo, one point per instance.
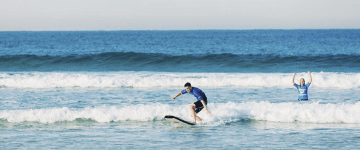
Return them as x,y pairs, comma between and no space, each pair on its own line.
221,112
160,79
130,61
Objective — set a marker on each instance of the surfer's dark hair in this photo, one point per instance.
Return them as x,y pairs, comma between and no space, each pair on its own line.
187,84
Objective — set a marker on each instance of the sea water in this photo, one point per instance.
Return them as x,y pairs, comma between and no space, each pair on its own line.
112,89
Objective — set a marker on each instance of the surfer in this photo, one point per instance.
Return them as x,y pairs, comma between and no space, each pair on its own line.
302,88
199,104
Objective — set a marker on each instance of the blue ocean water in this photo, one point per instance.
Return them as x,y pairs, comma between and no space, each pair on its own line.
111,89
238,51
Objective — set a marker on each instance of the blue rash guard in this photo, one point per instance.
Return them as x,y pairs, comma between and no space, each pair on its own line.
303,95
196,92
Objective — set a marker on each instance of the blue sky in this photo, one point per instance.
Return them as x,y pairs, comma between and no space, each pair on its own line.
40,15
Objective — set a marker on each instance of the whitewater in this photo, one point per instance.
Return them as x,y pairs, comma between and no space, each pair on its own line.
311,112
131,79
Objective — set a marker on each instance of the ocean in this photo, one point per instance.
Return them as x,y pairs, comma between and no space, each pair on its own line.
112,89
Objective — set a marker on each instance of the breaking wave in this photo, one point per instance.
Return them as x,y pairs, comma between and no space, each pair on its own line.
129,79
221,112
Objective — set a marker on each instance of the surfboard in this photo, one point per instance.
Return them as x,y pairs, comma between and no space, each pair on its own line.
174,119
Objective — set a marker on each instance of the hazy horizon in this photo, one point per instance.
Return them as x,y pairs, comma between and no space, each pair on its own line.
109,15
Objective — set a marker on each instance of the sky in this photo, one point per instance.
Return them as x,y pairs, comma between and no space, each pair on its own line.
73,15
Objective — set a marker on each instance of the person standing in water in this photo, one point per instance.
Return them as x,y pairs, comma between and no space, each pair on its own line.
199,104
302,88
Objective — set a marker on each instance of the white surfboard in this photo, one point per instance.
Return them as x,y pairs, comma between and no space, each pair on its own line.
174,119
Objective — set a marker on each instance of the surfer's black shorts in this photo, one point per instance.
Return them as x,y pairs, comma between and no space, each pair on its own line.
199,106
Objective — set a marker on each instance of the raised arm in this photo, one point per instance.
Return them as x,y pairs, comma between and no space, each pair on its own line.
294,78
178,94
310,77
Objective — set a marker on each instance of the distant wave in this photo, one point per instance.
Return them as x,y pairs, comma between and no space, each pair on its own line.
129,61
221,113
131,79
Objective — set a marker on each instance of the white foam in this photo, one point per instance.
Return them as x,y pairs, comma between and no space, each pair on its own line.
163,79
288,112
221,112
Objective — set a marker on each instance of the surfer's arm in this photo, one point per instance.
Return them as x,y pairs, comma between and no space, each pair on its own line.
294,78
202,101
178,94
310,77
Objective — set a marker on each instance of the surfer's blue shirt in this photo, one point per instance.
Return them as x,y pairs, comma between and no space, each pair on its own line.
303,95
196,92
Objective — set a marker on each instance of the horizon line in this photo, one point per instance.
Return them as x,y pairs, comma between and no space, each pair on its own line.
180,30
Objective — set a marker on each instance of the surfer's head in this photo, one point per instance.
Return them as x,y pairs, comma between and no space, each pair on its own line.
188,87
302,81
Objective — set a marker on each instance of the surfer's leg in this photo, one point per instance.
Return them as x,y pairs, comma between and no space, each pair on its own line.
197,110
193,113
198,119
192,110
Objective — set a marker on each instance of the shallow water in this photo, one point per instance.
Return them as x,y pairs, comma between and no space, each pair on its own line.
111,90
